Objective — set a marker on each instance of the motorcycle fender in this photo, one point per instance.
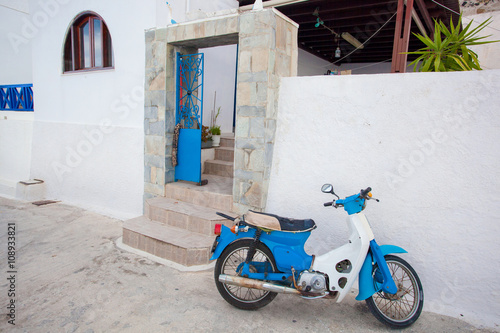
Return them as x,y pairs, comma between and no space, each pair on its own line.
227,237
366,283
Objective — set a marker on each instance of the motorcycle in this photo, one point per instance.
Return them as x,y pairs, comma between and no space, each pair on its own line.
263,255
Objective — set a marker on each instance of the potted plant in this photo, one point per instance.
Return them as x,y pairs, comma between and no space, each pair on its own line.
215,129
206,138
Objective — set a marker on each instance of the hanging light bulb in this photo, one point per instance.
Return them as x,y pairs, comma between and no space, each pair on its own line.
338,53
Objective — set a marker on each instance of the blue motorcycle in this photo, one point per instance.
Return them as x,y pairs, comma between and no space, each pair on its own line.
263,254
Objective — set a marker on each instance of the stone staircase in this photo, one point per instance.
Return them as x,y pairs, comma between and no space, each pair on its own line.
179,227
223,163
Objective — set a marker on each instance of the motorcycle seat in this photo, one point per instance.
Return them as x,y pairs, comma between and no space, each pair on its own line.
278,223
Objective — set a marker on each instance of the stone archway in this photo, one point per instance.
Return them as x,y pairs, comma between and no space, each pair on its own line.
267,51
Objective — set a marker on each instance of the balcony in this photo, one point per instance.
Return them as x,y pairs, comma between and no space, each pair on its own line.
16,97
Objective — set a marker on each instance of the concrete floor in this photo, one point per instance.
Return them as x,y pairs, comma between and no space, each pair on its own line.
71,277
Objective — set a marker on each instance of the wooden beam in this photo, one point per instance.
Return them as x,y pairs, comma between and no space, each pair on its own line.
401,36
422,7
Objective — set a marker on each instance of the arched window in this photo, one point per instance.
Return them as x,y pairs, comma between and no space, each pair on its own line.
88,44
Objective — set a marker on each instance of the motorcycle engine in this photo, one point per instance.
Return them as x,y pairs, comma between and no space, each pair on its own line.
312,282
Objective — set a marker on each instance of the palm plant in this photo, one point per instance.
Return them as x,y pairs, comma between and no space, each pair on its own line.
448,50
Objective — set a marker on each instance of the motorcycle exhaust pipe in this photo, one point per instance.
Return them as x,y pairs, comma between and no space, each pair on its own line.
256,284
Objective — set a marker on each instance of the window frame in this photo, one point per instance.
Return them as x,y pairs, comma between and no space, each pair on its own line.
76,56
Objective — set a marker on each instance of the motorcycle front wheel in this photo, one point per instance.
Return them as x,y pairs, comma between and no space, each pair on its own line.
403,308
230,263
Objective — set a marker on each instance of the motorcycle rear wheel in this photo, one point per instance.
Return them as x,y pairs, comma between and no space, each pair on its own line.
403,308
232,258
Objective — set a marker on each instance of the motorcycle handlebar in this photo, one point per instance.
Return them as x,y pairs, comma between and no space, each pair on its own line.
326,204
365,192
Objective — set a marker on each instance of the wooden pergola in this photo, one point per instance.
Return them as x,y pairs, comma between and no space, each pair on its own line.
384,27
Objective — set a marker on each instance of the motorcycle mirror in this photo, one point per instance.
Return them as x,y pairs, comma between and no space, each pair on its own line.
327,188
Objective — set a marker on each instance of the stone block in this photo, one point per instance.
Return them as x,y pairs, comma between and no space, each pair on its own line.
251,111
253,77
270,125
257,127
168,162
152,179
242,127
189,32
160,177
154,144
169,122
161,34
157,128
169,175
150,58
151,112
244,92
199,30
252,196
154,160
247,24
155,98
150,35
249,143
157,80
210,28
239,159
244,62
254,160
269,151
171,34
247,175
258,95
253,41
260,59
155,189
147,173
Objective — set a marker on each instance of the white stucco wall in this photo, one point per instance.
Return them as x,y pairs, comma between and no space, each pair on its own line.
426,144
15,50
88,133
16,131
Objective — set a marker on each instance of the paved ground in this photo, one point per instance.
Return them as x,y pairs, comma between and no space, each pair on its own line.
71,277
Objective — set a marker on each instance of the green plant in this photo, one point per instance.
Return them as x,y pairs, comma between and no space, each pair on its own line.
448,51
205,134
215,130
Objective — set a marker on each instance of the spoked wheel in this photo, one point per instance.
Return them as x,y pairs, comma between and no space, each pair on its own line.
404,307
230,263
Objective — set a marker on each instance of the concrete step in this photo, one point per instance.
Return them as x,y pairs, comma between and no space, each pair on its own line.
227,140
183,215
219,168
217,194
168,242
224,154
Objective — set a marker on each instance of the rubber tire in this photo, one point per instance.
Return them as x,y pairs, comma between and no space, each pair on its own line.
384,319
242,244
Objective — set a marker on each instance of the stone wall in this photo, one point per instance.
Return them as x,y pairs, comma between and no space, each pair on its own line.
267,51
157,114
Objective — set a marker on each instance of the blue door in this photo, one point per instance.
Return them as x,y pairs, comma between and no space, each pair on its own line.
190,115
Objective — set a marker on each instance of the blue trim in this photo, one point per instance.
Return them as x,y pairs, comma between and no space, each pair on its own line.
17,97
286,247
366,282
353,204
